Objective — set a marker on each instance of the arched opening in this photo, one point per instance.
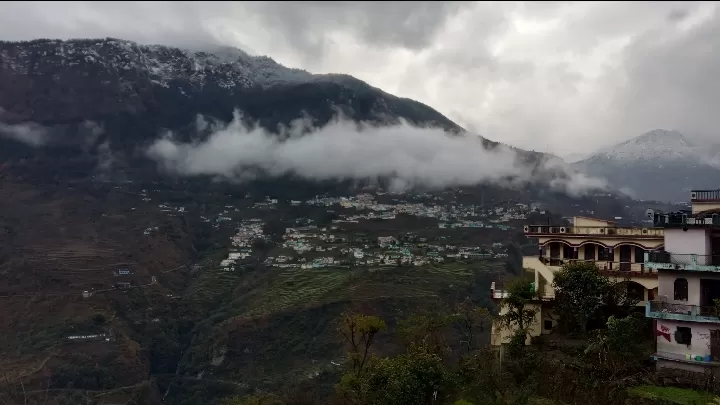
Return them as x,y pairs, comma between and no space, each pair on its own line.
634,290
558,251
631,257
680,289
591,250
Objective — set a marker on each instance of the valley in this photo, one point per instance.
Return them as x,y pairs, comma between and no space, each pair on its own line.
170,292
133,280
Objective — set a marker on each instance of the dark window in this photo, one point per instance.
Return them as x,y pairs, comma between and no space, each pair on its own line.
604,254
548,324
639,255
683,335
589,252
555,250
681,289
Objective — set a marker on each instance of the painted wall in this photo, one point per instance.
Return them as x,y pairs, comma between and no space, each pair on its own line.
584,221
700,206
647,242
700,342
666,285
692,241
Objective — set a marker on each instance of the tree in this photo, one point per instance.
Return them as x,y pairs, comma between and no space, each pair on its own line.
426,332
471,320
518,315
359,333
416,377
618,348
254,399
581,291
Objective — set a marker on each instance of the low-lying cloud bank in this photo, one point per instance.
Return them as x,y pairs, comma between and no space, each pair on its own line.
344,150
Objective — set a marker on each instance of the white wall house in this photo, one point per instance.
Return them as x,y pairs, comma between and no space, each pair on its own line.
686,320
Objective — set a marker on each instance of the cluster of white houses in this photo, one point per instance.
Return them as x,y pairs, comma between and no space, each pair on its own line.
673,267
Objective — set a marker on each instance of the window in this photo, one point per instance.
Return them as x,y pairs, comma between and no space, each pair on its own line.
681,289
589,252
683,335
548,324
639,255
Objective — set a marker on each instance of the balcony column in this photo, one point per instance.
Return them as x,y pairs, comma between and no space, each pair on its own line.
575,252
611,256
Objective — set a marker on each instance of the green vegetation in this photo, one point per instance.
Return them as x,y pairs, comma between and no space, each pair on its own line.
438,361
672,395
582,294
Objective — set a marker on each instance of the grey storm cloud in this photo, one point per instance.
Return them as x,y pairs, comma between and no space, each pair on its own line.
562,77
28,133
345,150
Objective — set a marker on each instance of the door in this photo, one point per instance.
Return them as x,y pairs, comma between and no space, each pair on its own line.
555,250
715,344
715,250
625,258
709,292
589,252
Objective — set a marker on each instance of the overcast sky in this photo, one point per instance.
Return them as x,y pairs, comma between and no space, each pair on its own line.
563,77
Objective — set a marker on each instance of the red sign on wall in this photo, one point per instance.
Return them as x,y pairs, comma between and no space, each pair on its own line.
664,331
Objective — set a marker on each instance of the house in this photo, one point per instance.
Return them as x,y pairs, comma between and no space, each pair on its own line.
685,310
619,253
385,241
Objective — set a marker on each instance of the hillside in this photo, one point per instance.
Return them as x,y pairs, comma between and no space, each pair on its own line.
658,165
135,89
79,202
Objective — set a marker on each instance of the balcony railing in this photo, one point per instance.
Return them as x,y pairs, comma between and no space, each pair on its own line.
685,219
683,259
685,312
607,267
594,230
707,195
498,292
685,262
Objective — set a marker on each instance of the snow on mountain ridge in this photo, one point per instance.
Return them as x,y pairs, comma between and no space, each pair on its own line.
659,145
225,66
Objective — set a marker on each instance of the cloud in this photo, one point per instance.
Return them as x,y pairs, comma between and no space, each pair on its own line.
344,150
28,133
562,77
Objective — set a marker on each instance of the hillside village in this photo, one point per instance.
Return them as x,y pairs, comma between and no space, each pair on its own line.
308,245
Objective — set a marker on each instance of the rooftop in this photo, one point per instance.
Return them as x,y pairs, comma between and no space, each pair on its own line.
705,195
687,219
596,231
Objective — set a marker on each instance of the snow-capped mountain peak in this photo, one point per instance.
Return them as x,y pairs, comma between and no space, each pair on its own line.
658,144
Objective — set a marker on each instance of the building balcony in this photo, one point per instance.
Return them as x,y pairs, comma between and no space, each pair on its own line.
704,195
683,219
606,267
597,231
681,312
686,262
498,292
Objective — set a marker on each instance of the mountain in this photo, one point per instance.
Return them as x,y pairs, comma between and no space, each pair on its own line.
658,165
135,89
82,99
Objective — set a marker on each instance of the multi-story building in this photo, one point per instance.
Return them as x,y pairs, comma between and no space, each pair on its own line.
619,252
685,315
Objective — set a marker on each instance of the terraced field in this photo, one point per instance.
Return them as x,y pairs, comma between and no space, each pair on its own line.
284,322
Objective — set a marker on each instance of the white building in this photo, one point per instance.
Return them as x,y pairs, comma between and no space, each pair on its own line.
686,321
